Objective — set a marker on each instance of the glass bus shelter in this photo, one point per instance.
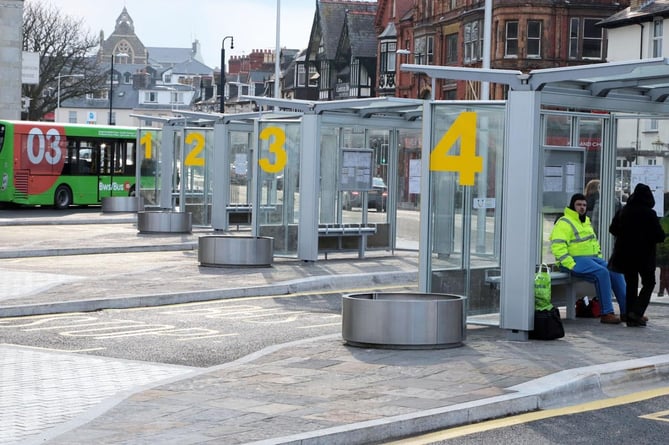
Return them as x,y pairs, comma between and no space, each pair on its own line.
355,165
499,174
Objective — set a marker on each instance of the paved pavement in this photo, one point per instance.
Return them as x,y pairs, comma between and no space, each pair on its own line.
314,391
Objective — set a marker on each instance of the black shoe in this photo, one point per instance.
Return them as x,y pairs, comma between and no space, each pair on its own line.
634,320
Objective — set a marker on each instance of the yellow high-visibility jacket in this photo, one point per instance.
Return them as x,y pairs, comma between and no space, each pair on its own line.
571,237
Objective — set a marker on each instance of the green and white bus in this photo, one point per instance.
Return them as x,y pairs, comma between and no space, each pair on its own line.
45,163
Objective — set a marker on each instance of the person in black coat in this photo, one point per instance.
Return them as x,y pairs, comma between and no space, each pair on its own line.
637,230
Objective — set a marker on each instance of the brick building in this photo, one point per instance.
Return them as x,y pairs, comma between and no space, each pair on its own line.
523,36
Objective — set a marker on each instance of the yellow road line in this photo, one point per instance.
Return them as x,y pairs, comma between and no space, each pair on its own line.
465,430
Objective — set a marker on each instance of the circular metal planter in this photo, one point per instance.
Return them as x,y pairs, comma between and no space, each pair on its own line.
122,204
222,250
404,320
164,221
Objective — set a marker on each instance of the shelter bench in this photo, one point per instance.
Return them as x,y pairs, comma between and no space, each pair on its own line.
559,278
342,234
239,214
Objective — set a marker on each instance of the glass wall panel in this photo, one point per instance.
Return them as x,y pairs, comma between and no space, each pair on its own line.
464,220
408,189
330,202
241,171
572,164
149,161
196,178
642,150
279,187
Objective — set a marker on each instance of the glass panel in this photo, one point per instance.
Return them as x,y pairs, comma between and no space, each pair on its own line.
558,130
572,169
279,186
378,197
241,161
408,189
149,161
197,175
329,179
464,220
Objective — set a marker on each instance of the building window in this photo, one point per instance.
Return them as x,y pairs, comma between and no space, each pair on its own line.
325,75
511,45
424,50
473,41
429,50
452,48
592,39
585,39
657,38
72,117
573,38
534,39
150,96
301,73
388,57
355,72
313,76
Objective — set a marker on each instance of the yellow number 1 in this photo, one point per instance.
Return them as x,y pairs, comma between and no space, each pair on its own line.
466,163
148,146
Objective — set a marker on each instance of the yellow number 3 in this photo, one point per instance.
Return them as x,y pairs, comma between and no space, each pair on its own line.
276,147
466,163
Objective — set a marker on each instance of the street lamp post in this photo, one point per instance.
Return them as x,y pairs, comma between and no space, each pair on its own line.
111,87
58,77
401,52
232,46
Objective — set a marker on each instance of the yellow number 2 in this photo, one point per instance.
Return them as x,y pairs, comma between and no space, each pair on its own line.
276,147
193,157
466,163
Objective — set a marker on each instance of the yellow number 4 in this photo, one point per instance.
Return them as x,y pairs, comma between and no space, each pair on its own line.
466,163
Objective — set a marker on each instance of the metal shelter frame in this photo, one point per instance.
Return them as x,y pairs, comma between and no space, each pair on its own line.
383,112
371,113
639,86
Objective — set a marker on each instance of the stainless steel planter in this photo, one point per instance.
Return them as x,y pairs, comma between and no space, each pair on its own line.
122,204
164,221
404,320
222,250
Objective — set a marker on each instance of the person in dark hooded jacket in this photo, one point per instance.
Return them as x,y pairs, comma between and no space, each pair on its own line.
637,230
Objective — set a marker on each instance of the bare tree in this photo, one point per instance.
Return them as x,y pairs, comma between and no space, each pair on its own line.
65,48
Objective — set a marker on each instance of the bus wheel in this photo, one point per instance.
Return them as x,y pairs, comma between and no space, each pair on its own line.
63,197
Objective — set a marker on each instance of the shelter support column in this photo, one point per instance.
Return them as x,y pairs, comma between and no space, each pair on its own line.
166,165
520,212
307,239
221,180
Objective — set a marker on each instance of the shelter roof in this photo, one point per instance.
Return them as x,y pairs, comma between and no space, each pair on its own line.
634,86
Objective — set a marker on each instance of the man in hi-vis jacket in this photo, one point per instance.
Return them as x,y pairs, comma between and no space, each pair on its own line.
577,250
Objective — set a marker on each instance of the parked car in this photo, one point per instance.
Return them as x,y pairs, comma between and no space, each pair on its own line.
377,198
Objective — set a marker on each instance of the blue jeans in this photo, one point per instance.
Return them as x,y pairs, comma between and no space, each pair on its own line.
595,270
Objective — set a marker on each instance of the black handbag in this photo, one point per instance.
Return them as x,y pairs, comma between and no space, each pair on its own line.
547,325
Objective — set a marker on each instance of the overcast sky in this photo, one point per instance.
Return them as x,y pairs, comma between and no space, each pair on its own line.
176,23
